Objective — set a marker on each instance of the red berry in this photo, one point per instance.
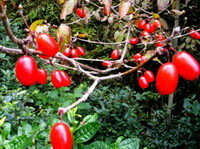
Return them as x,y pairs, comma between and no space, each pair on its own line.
41,76
142,24
145,34
143,59
61,137
26,70
42,56
67,52
134,40
115,54
80,12
47,44
187,66
160,38
74,53
149,76
137,57
150,28
107,63
167,79
157,23
195,35
80,50
142,81
60,79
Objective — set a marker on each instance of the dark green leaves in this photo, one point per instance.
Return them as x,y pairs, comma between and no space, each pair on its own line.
86,132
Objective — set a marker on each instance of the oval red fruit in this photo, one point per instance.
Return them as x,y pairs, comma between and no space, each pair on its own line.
67,52
142,24
107,63
42,56
56,79
145,34
74,53
187,66
134,40
142,81
47,44
195,35
80,50
149,76
41,76
80,12
137,57
167,79
157,23
115,54
160,38
60,79
150,28
61,137
66,79
26,70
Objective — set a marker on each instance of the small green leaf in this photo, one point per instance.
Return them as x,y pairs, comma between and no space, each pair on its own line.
2,121
6,130
90,118
98,145
86,132
132,143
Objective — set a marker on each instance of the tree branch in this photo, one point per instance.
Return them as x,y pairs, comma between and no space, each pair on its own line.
82,99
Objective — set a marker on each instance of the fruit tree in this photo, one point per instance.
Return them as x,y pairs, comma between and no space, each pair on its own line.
138,35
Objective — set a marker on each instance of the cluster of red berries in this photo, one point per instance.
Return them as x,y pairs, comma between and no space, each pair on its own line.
145,79
27,71
149,27
74,53
139,58
183,64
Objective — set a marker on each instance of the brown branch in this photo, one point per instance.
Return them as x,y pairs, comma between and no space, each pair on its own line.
7,28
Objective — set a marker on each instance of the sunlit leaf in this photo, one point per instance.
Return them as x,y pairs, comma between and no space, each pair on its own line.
155,15
61,1
162,4
2,121
35,24
68,8
124,8
64,36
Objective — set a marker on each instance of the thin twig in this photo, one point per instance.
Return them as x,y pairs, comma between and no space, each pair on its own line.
82,99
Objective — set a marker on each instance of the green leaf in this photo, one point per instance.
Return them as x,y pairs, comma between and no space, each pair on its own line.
132,143
20,142
86,132
2,121
90,118
6,130
98,145
84,106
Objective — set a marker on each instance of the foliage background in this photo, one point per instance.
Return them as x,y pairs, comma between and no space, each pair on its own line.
123,109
